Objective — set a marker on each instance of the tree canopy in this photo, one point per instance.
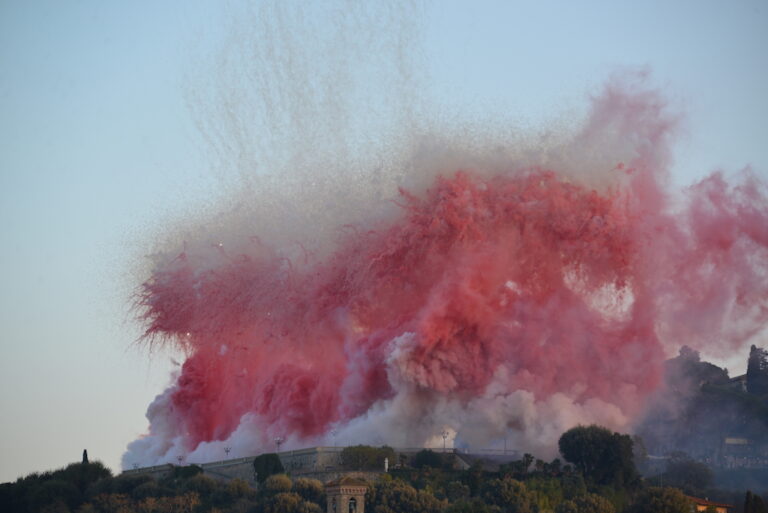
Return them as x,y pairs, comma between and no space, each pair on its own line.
510,495
528,486
588,503
432,459
754,504
266,465
603,457
661,500
365,457
757,371
396,496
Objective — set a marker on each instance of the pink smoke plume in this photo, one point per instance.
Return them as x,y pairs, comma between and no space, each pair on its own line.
513,303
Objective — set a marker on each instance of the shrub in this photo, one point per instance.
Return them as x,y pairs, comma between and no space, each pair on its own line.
278,483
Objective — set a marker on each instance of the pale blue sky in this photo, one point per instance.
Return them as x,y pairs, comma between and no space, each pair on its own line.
98,152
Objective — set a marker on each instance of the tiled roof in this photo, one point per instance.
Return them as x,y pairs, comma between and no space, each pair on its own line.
705,502
347,481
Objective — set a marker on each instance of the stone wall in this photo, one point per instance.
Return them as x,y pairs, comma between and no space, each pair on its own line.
313,459
322,463
240,468
158,471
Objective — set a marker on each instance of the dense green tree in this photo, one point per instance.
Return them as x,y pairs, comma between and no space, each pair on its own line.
567,507
396,496
236,496
603,457
150,489
52,491
547,491
122,484
429,458
11,497
240,489
79,474
456,490
473,477
757,371
85,474
57,506
365,457
278,483
112,503
661,500
472,506
588,503
288,502
526,461
754,504
521,468
759,505
510,495
58,492
267,464
187,471
201,484
310,490
573,485
61,488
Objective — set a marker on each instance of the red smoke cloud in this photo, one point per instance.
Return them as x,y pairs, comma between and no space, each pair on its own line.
486,285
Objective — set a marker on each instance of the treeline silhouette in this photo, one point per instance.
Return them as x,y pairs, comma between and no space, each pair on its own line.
599,475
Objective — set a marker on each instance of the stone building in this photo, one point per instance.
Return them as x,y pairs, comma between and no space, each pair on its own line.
225,470
311,459
321,463
346,495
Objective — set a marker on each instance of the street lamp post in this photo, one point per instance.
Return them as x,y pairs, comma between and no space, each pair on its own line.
226,450
444,434
279,441
179,458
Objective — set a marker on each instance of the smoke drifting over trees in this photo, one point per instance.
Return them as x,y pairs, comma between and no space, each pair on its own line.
699,408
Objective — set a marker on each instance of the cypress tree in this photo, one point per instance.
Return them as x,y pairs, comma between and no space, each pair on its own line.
757,371
758,505
754,504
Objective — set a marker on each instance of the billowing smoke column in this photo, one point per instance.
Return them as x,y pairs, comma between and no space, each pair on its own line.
506,303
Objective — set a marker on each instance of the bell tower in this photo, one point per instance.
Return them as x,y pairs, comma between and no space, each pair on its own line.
346,495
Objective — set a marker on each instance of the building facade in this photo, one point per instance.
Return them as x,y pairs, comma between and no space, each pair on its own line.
346,495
